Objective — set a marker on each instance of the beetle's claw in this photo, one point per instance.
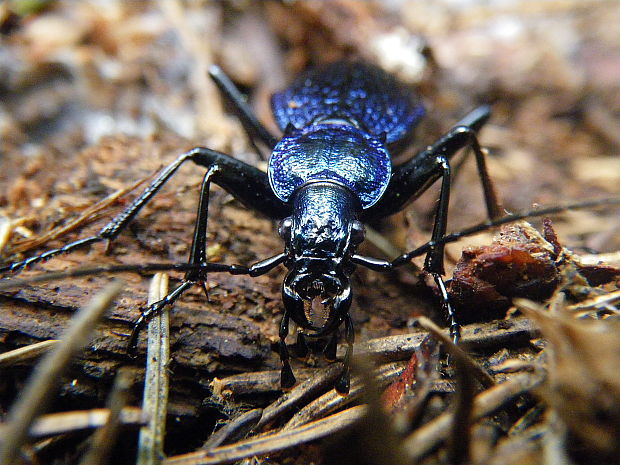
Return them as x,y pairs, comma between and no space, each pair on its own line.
287,378
343,384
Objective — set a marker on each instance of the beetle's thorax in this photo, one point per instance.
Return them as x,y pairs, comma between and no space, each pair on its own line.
322,221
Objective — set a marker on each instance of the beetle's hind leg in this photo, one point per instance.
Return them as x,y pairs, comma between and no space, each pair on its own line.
253,127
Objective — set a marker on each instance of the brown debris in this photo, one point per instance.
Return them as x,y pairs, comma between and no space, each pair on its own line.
583,386
520,263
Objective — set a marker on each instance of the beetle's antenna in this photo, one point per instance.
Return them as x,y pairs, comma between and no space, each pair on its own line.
480,227
239,269
141,268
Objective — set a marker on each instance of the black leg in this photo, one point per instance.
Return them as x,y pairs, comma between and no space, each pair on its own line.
150,312
198,253
413,178
476,118
435,255
257,269
287,378
245,182
331,347
434,259
301,346
455,328
197,256
253,127
344,382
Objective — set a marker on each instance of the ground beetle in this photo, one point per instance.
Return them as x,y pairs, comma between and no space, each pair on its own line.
330,172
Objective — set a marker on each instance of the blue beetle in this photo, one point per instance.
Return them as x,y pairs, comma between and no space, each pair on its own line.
330,172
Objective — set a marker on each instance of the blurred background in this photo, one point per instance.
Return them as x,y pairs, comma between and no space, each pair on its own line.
72,73
98,94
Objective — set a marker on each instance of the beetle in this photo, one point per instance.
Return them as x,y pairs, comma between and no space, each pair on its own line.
329,173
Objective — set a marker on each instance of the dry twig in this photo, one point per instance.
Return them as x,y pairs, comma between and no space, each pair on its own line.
105,437
26,353
151,442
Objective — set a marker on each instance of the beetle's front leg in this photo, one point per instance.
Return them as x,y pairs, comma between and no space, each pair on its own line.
235,177
343,383
287,378
293,306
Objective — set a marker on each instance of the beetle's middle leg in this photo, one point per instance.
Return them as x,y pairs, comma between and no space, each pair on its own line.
245,182
413,178
287,378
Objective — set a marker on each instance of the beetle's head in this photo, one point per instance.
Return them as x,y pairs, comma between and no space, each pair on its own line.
320,238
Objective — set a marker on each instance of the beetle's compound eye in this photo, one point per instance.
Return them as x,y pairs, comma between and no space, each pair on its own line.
357,232
284,230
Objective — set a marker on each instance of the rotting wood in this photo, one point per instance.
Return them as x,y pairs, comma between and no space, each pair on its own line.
47,375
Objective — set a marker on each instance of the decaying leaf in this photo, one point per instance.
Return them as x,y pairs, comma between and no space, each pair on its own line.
521,262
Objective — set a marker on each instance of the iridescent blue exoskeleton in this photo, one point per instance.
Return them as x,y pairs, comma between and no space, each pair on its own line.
329,173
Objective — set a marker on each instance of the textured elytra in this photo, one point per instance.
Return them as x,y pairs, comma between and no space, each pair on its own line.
359,92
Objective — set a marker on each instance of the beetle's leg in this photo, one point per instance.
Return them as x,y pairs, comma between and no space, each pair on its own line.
293,305
301,345
197,256
476,118
257,269
198,252
331,347
434,259
150,312
344,382
253,127
411,179
245,182
287,378
414,177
